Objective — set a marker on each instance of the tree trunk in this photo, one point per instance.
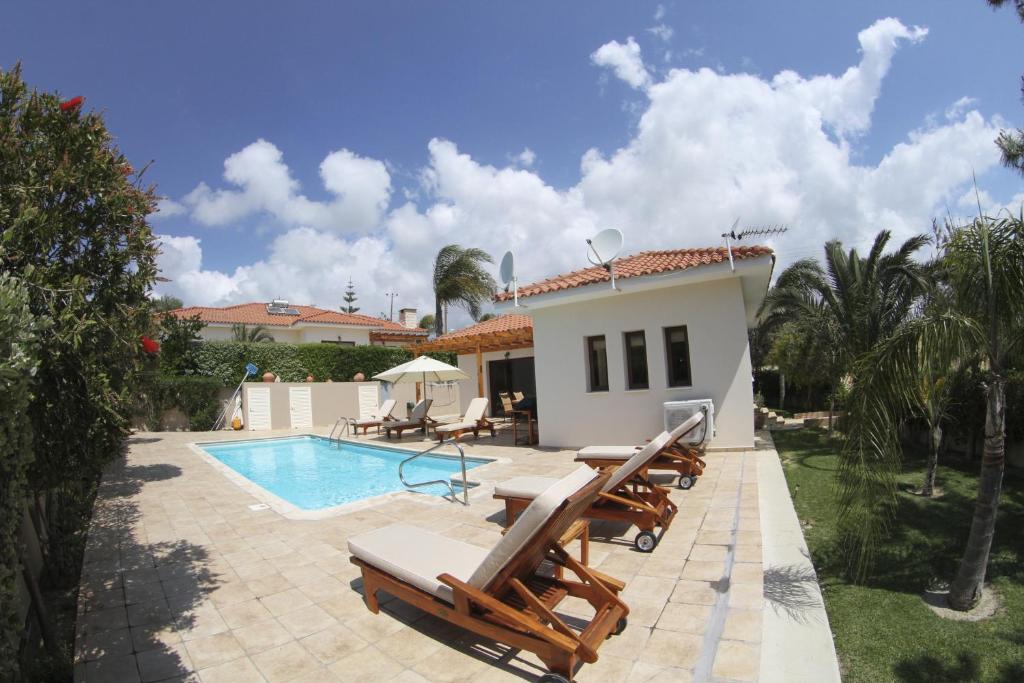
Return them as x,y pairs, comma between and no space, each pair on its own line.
934,441
438,318
970,577
782,390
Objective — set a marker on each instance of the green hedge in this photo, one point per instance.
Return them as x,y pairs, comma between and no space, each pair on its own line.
194,396
225,361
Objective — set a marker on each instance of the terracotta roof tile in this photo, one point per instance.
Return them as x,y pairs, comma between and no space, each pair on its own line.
503,323
636,265
256,314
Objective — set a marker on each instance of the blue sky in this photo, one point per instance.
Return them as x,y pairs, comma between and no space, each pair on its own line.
616,138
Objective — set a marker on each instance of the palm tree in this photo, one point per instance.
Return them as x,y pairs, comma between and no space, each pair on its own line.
851,304
983,264
460,280
256,333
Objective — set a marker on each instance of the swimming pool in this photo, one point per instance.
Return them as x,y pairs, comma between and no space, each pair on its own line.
313,473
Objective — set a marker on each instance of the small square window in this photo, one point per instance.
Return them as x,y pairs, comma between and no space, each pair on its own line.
636,360
597,364
677,356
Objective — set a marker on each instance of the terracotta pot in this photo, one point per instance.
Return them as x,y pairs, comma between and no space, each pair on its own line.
268,376
359,377
309,378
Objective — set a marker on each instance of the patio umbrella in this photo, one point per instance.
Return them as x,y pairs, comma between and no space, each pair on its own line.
422,369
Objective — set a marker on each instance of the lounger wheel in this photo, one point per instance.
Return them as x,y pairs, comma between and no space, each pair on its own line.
645,541
620,626
686,481
552,678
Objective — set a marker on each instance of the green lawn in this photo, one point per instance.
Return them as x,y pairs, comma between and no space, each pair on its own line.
883,630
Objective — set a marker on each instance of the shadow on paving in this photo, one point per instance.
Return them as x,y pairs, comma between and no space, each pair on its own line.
967,667
136,596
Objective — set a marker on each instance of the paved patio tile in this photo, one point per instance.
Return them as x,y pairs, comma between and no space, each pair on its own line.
239,594
285,662
122,669
737,661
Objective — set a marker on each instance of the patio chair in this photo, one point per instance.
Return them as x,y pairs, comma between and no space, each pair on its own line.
676,457
506,405
382,415
518,396
418,419
472,421
502,594
627,496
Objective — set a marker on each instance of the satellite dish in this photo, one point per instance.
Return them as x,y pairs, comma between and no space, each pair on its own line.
507,273
604,247
508,268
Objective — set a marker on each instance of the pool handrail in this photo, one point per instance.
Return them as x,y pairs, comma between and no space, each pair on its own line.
346,427
446,482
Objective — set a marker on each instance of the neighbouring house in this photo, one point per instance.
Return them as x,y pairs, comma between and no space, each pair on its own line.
305,324
605,360
497,354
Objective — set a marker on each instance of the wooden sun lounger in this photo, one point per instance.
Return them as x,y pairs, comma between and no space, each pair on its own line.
628,496
473,421
683,459
503,594
418,419
383,415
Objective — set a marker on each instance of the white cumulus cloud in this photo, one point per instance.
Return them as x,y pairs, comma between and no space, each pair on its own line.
625,60
708,147
361,190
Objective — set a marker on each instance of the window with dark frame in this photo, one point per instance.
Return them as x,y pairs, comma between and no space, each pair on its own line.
677,356
597,364
636,360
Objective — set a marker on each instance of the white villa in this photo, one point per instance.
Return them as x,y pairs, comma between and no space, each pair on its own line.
603,362
306,324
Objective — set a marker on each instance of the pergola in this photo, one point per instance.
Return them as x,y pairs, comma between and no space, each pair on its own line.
503,333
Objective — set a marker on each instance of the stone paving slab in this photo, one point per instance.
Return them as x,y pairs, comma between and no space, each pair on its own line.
184,581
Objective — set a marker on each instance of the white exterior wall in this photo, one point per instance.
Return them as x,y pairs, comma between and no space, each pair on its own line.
310,334
468,387
714,315
314,334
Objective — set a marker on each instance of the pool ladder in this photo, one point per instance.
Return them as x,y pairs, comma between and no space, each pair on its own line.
344,425
446,482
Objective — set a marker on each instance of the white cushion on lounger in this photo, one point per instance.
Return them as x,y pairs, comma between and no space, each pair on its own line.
524,487
444,429
529,523
607,452
417,556
628,469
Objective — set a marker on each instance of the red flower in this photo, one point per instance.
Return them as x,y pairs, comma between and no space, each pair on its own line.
72,103
149,345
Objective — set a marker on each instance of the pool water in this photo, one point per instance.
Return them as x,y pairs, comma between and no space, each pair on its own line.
313,473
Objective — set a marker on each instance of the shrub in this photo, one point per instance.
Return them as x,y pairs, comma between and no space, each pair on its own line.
225,361
197,397
18,351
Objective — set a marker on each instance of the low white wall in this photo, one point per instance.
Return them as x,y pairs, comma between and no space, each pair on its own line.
332,400
713,312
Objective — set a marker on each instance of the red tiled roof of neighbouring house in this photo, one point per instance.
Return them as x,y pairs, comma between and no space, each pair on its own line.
257,314
644,263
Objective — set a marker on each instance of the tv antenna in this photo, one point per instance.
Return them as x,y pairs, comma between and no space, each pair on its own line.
764,231
507,273
391,295
604,247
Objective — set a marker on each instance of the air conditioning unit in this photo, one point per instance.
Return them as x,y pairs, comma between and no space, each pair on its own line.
677,412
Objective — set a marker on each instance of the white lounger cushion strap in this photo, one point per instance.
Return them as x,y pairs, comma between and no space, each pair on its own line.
418,557
529,523
628,469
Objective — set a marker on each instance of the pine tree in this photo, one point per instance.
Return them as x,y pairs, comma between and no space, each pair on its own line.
350,298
